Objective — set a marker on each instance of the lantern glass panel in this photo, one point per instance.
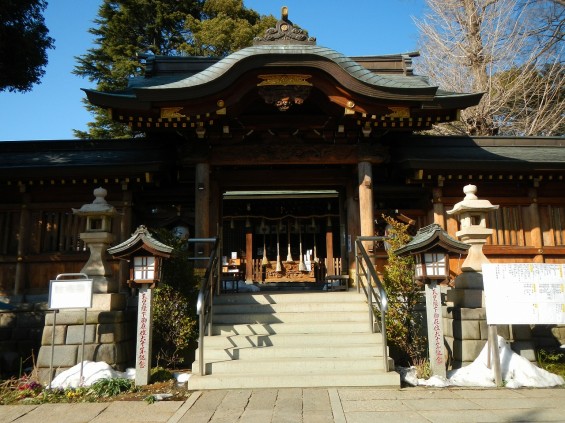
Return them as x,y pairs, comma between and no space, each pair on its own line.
144,268
434,265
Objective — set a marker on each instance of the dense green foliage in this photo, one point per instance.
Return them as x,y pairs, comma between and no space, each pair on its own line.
404,325
174,306
128,29
24,41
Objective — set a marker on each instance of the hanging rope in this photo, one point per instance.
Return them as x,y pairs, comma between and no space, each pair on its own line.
265,261
279,266
301,264
289,255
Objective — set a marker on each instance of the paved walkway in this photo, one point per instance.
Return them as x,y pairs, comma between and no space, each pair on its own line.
314,405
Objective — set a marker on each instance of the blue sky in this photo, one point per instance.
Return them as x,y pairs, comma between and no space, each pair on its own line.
54,108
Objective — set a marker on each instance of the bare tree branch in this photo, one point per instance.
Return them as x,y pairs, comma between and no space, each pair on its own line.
512,51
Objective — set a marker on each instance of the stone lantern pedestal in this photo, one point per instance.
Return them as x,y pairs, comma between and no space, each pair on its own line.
466,329
110,328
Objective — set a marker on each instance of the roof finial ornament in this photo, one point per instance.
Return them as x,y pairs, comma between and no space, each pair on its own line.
285,32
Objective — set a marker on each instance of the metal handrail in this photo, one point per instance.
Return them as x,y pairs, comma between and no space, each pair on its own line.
365,272
210,284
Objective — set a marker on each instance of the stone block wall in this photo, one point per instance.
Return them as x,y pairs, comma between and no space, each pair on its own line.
20,337
466,333
109,337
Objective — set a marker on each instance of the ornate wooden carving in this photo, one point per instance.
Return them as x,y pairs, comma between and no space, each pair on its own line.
296,154
285,32
289,273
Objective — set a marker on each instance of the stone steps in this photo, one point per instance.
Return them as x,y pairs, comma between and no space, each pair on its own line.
301,339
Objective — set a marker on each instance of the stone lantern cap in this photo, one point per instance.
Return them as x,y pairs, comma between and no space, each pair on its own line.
99,207
141,240
429,237
471,203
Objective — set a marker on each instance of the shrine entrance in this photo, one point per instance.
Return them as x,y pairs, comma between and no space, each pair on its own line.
282,236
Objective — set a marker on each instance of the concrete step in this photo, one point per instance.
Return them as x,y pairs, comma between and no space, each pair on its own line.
286,307
285,380
290,317
292,365
292,339
290,328
299,352
290,297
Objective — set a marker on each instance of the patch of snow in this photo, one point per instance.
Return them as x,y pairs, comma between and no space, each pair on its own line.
516,372
181,377
91,372
161,397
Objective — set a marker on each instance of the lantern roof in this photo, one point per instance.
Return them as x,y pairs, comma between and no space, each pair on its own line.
141,240
99,207
429,237
471,203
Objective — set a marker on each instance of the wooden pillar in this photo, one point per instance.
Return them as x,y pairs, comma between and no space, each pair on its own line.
23,242
249,254
215,228
366,214
348,237
329,248
439,210
535,231
202,201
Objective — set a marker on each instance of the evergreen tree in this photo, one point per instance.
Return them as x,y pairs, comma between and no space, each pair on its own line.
24,42
126,29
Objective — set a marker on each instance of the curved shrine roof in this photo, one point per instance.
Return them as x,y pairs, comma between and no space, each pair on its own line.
286,64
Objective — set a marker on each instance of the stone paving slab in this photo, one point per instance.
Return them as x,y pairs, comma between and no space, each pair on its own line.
58,413
9,413
465,416
136,412
313,405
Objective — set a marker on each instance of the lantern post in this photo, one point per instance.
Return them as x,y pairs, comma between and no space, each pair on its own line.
145,256
431,247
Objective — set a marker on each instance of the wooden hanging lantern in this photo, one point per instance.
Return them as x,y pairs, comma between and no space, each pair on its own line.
431,247
144,254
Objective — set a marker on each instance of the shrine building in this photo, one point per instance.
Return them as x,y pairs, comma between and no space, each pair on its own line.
285,150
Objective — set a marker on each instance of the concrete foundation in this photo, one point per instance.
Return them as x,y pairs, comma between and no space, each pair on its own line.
109,336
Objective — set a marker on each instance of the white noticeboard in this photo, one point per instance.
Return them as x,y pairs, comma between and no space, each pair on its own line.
70,293
524,293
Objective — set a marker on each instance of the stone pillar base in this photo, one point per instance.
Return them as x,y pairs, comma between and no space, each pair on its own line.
110,337
466,333
468,298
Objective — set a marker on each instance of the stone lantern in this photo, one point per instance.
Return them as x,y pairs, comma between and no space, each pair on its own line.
98,237
466,329
472,213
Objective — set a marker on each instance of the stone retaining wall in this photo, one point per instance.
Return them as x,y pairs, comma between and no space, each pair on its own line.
20,337
109,337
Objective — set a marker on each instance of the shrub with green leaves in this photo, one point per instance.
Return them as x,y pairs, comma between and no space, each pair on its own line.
174,305
403,321
110,387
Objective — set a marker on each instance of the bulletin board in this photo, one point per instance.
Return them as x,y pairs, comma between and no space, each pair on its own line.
524,293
